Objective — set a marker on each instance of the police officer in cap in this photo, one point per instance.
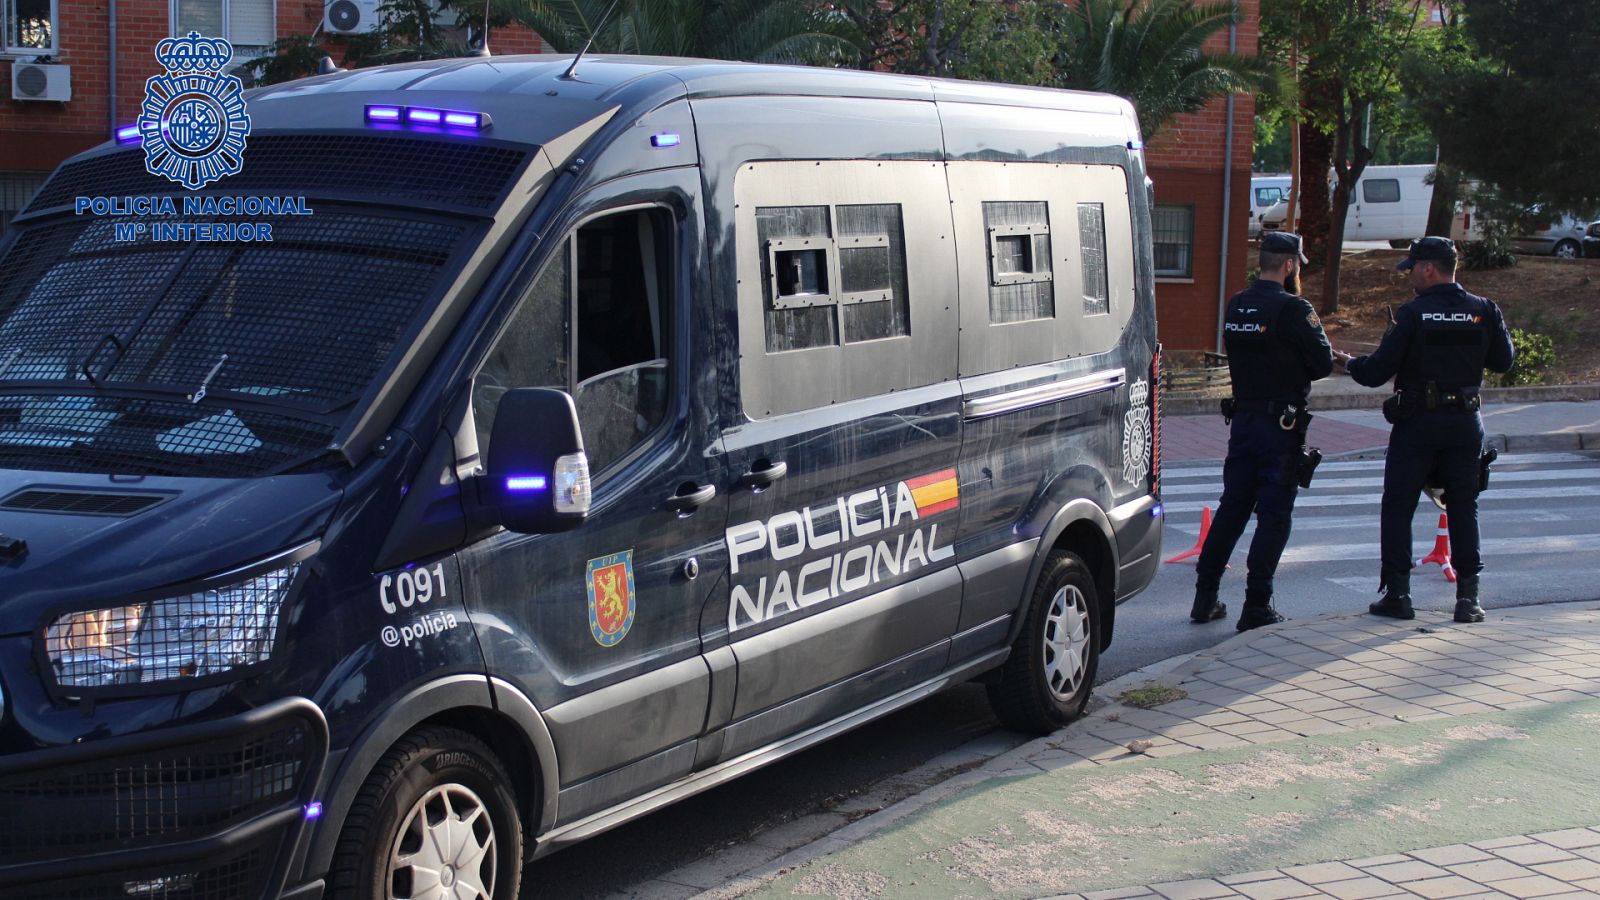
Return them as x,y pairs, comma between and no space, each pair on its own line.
1436,352
1276,348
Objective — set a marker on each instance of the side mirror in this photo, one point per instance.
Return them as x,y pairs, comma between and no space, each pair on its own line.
538,476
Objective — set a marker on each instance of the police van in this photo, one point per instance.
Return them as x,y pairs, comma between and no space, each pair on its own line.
571,441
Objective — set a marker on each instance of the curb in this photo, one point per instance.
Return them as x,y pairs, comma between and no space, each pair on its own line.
1188,403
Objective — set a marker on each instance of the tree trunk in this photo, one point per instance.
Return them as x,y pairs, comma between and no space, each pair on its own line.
1316,156
1446,192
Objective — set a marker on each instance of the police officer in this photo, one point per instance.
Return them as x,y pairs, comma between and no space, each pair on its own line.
1436,352
1276,348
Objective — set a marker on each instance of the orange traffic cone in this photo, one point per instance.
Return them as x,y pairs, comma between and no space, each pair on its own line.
1441,550
1205,528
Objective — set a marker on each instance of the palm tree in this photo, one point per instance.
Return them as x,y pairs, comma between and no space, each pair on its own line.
791,31
1150,51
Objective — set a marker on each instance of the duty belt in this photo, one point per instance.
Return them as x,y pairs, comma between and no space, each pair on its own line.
1431,397
1271,407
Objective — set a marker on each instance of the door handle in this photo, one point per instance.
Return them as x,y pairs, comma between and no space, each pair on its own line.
763,474
690,498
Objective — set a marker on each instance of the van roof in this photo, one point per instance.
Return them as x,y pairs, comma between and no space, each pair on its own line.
508,87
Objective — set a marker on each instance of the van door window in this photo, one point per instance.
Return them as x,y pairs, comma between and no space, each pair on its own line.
1020,278
1267,196
1381,190
1092,244
622,288
797,242
619,301
872,271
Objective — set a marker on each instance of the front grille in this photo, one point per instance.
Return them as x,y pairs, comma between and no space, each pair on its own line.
391,169
240,875
160,796
81,503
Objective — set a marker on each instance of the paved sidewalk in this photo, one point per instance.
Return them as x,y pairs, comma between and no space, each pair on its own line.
1515,427
1344,756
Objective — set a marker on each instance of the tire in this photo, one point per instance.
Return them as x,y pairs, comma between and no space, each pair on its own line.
1567,249
431,773
1046,681
1400,245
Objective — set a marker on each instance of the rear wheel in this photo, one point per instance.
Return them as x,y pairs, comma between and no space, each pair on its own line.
435,820
1567,249
1046,681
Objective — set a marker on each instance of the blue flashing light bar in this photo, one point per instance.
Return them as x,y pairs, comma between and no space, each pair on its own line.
526,482
665,139
384,114
313,810
128,133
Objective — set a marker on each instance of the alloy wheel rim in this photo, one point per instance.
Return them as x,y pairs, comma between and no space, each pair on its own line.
1066,642
445,848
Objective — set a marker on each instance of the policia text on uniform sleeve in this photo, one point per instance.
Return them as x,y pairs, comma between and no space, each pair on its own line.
1436,352
1276,348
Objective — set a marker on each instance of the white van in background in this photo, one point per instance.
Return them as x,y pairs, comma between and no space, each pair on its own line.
1390,203
1266,191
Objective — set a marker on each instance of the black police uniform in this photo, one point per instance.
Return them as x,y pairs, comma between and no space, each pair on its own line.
1276,348
1436,352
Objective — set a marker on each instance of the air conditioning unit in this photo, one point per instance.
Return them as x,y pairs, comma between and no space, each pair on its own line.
350,16
41,81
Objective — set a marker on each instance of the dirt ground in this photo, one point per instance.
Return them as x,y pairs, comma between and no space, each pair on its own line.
1558,297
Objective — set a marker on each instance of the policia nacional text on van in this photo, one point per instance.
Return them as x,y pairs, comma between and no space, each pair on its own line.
655,425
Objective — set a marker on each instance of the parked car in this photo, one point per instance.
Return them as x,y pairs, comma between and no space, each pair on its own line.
1591,241
1562,237
1266,191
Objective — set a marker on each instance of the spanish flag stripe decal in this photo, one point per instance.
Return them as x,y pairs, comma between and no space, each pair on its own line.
935,493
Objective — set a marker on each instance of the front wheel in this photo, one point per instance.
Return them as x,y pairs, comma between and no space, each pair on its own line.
1046,681
1567,249
435,820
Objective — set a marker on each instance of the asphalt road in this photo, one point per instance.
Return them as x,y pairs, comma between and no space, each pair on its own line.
1540,540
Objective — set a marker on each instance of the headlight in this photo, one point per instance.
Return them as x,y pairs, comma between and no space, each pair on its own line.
199,634
1594,230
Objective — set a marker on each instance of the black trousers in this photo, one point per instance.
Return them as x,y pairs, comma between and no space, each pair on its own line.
1261,476
1450,440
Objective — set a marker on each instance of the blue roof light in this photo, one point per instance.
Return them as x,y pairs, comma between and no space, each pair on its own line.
426,116
128,133
421,115
383,114
526,482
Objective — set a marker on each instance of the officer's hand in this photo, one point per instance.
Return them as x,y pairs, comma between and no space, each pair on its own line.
1342,358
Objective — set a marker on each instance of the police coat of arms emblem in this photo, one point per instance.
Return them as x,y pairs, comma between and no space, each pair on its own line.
193,122
1136,434
611,597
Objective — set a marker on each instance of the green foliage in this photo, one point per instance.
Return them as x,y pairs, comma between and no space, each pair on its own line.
1490,252
789,31
978,40
1152,53
409,31
1536,353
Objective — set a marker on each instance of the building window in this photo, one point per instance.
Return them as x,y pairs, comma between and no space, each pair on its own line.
1381,190
1173,236
30,26
16,189
244,23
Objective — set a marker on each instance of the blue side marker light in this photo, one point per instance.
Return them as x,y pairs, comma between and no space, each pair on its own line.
1136,145
665,139
1156,511
313,809
383,114
526,482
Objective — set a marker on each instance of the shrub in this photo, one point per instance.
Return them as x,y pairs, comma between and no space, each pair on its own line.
1493,252
1535,354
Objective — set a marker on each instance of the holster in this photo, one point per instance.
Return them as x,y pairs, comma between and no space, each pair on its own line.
1227,410
1310,458
1295,418
1399,407
1484,461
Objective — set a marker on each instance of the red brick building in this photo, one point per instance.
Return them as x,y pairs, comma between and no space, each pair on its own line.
1186,160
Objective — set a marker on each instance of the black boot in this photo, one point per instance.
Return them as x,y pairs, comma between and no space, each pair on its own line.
1207,608
1396,602
1257,610
1467,607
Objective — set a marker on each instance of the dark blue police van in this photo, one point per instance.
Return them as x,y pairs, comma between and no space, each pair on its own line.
582,440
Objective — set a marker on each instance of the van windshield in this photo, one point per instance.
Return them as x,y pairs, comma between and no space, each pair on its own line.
206,358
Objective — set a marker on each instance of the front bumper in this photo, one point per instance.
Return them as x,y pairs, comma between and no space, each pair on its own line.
1591,247
209,811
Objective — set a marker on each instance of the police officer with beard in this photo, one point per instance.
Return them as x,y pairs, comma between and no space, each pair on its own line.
1436,352
1276,348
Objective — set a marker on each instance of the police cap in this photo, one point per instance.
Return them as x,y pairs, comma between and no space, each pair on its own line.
1429,248
1283,242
